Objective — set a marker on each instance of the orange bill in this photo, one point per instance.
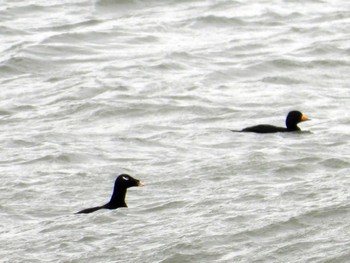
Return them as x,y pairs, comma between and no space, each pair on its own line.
304,118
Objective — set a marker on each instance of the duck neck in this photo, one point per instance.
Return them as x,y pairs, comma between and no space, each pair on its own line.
117,199
293,127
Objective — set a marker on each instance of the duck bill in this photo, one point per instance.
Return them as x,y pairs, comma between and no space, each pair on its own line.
140,185
304,118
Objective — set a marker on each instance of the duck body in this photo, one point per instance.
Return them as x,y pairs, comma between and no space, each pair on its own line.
122,183
265,128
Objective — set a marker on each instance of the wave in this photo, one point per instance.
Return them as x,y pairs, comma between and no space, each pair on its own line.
212,21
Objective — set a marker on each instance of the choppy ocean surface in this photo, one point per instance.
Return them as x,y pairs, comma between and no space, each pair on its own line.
92,89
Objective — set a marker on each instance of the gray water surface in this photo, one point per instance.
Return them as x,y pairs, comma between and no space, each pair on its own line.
92,89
